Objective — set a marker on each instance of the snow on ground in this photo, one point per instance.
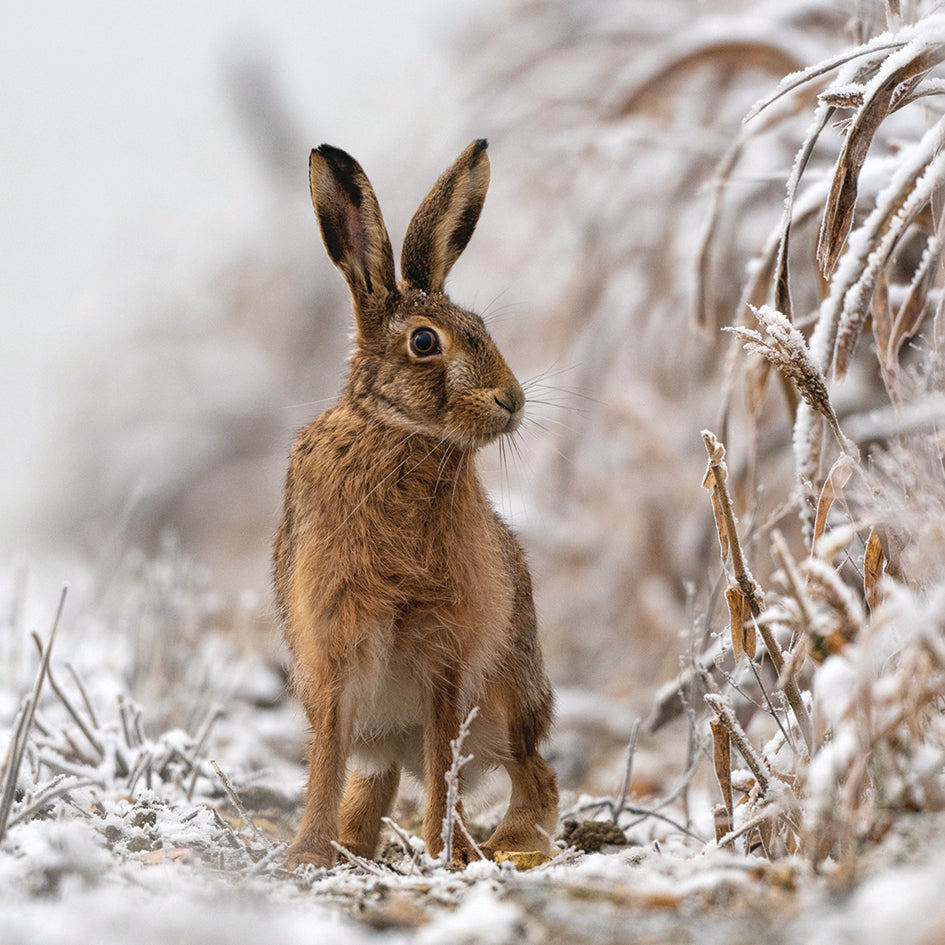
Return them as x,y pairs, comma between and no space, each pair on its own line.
140,837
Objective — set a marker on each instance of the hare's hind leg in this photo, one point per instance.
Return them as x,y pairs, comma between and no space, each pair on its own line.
367,799
533,808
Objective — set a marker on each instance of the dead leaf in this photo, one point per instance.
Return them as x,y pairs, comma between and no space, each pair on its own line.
719,522
833,489
741,626
722,757
838,214
913,309
522,859
873,561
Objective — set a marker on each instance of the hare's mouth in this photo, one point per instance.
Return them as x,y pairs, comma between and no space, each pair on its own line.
482,420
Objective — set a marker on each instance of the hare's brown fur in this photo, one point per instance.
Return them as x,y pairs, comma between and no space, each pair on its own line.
406,600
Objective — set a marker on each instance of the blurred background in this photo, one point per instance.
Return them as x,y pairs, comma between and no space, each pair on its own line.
171,317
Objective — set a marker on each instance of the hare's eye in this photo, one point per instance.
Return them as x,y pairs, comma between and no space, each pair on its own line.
424,342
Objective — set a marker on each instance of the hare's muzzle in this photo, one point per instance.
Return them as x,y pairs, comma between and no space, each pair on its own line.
511,401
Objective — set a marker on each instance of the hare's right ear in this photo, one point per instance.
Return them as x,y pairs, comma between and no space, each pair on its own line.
445,220
353,232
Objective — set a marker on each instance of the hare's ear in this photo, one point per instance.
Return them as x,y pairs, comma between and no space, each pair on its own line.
444,222
353,231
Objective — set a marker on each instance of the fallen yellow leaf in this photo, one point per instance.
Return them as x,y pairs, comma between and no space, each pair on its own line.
522,859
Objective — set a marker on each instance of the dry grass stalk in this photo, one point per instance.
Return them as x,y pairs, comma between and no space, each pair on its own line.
715,480
24,722
740,740
237,803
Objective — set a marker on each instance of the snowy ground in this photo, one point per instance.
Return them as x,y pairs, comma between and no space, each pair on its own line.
121,827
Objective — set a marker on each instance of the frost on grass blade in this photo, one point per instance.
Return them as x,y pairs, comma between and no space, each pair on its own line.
903,66
920,173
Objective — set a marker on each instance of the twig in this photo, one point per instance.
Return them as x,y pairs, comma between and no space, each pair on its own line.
771,709
628,770
215,713
640,812
746,827
234,799
405,842
452,786
740,740
55,762
24,721
360,862
123,715
277,850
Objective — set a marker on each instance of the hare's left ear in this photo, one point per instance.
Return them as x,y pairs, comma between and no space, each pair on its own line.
354,233
444,222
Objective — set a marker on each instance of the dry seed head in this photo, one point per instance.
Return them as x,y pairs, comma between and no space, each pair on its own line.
784,346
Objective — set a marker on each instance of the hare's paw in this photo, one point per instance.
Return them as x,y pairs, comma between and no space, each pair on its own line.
302,854
520,836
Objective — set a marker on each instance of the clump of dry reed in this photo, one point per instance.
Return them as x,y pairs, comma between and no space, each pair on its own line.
852,672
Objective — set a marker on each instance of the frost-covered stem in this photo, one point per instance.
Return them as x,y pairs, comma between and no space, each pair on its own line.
85,696
235,801
359,861
746,583
70,708
628,771
791,690
24,721
405,842
452,785
216,713
748,587
746,827
60,785
740,740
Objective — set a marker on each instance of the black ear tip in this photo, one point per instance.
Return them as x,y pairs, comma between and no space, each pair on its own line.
328,151
481,145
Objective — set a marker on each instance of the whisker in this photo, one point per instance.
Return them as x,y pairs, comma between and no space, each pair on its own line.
558,406
541,424
310,403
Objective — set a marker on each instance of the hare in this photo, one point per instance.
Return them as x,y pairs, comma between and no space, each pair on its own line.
406,600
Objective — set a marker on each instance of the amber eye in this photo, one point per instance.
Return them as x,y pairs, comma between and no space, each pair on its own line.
424,342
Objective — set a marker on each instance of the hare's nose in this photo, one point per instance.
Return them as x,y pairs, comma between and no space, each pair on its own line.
511,399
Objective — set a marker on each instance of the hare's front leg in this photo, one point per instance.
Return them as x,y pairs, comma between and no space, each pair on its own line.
441,722
322,696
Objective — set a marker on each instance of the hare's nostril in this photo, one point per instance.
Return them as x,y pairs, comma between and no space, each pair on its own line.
506,403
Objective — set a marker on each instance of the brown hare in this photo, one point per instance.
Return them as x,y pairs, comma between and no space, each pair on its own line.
406,600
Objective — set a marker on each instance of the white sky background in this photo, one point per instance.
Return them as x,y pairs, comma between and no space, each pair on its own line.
121,160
